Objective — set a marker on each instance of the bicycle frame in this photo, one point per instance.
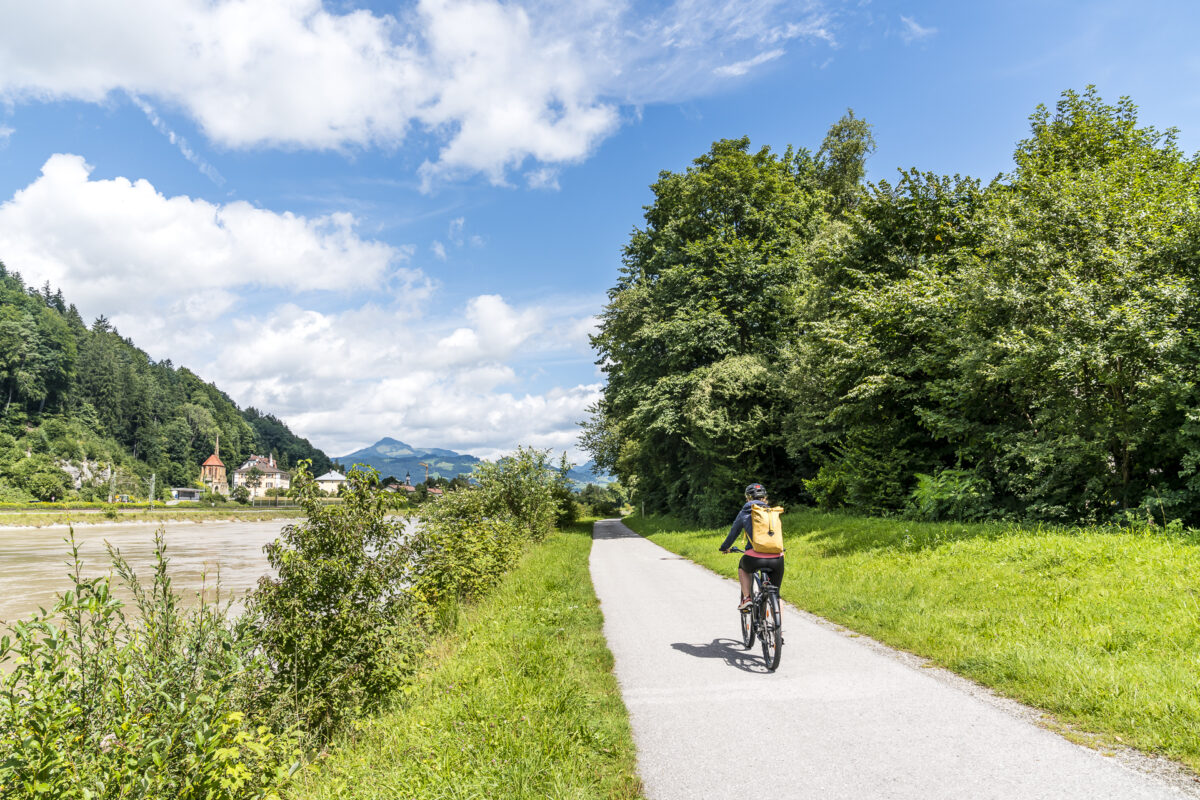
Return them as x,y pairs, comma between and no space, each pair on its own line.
769,632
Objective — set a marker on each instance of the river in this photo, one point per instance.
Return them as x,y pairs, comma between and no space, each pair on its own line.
33,561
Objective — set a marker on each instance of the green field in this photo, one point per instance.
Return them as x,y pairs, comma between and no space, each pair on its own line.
520,702
1101,627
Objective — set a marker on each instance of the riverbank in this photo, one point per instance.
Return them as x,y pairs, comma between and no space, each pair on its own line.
1099,627
520,702
65,518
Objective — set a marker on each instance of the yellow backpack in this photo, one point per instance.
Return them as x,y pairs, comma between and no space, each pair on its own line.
766,530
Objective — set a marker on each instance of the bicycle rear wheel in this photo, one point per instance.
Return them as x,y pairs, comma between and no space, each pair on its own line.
748,628
772,629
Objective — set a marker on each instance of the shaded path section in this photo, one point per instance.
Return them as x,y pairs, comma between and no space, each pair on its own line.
839,719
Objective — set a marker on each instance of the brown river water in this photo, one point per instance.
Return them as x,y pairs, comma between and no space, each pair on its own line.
34,561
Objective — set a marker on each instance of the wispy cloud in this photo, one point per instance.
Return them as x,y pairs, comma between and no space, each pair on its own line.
914,31
543,178
5,132
439,250
191,155
742,67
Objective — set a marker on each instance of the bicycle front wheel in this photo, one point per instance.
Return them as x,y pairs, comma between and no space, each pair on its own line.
747,628
772,630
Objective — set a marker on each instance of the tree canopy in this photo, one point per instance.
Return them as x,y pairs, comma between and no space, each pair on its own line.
1027,345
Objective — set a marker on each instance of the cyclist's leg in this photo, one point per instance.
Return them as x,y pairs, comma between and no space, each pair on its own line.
774,568
745,581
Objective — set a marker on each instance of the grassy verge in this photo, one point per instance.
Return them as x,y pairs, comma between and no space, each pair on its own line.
1099,627
40,519
519,703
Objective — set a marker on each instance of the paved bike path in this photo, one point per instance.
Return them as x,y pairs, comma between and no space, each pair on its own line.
840,718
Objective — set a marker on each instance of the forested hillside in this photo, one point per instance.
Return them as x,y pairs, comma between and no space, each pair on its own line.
1024,348
83,409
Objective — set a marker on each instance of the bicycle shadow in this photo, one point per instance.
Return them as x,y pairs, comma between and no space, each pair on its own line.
729,650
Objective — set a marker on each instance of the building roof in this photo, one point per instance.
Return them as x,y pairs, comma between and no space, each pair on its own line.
264,466
332,475
212,461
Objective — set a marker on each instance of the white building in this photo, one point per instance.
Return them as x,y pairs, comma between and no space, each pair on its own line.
270,476
331,481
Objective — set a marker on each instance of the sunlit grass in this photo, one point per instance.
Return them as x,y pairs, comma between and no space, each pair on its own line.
1101,627
520,703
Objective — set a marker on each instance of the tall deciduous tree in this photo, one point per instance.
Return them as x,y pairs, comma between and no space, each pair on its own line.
695,326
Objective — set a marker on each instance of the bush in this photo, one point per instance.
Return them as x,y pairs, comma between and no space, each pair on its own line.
951,494
334,622
240,494
468,540
95,704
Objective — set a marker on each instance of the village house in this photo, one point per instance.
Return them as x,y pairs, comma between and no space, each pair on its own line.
331,481
269,476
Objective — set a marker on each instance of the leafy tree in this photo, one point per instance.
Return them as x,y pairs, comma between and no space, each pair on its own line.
841,161
703,308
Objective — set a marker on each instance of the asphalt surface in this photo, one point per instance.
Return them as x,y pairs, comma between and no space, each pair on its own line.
842,717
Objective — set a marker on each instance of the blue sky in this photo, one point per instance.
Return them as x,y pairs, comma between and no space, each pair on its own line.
399,220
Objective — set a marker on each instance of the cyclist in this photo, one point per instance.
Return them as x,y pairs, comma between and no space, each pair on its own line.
771,563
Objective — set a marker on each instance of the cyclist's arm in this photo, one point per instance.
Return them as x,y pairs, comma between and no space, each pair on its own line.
739,524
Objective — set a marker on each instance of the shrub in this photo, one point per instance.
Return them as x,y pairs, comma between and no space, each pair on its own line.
335,622
96,704
469,539
950,494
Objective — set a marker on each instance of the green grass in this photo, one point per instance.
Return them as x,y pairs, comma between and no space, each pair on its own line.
1101,627
520,702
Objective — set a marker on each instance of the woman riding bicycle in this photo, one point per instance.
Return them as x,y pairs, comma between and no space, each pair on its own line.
771,563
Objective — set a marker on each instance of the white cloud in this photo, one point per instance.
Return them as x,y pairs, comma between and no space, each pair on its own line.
498,83
121,245
454,231
742,67
543,178
5,132
913,31
174,274
439,250
451,389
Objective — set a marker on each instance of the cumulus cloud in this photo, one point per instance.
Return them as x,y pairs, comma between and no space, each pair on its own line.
453,388
439,250
5,132
121,244
497,83
913,31
175,274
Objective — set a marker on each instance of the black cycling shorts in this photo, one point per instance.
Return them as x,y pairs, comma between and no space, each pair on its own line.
772,566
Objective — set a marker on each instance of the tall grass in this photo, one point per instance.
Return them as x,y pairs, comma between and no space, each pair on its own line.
101,704
1100,626
519,703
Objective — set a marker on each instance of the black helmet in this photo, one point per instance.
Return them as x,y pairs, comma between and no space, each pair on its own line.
755,491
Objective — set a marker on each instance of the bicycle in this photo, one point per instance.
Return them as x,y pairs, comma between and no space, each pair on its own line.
762,619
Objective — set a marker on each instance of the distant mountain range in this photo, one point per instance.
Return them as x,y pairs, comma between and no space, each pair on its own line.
396,459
